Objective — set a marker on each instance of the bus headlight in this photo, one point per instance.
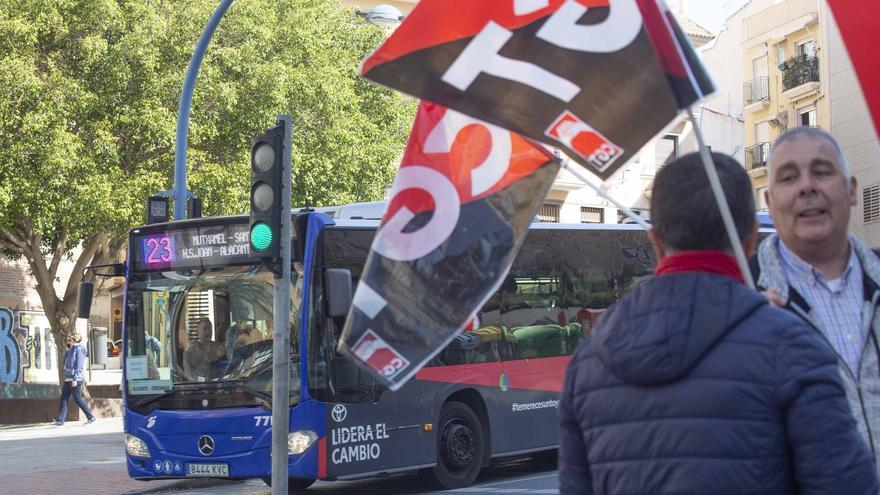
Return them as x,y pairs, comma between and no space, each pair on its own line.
299,441
136,447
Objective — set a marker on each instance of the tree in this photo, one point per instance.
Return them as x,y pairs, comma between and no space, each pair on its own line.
89,105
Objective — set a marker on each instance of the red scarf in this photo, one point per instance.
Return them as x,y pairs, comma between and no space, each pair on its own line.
701,261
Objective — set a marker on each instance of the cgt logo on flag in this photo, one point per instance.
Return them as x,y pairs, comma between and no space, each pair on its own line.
587,142
378,355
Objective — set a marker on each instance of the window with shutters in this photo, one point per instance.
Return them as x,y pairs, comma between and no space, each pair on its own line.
549,212
871,203
590,214
622,218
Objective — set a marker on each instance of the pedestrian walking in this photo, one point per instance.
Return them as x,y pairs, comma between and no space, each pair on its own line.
693,383
74,362
814,269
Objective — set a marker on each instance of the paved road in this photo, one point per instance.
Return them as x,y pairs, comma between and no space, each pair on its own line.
89,460
525,476
74,459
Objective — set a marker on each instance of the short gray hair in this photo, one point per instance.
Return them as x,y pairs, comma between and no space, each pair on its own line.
812,133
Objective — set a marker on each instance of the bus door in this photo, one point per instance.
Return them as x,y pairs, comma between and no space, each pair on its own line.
530,314
369,429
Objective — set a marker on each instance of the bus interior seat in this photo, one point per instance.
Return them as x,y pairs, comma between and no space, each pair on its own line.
540,340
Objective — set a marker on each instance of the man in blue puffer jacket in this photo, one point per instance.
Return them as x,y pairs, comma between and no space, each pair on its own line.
693,384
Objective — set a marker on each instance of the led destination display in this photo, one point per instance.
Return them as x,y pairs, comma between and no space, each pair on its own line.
194,247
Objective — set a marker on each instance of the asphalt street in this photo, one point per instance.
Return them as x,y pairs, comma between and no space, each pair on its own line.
79,459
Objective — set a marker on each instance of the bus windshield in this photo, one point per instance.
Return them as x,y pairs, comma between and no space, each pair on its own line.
205,330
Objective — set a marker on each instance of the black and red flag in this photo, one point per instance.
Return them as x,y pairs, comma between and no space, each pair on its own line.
859,21
461,206
595,78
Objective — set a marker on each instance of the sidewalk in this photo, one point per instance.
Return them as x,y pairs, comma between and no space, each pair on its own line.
75,459
70,429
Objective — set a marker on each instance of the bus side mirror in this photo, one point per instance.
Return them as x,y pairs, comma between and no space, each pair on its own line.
338,283
84,302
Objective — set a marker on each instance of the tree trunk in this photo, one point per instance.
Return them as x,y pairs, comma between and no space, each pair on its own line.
61,312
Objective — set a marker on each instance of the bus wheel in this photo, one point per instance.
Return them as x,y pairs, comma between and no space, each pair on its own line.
294,485
460,446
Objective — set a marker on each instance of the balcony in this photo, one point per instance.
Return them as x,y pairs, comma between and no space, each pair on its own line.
800,76
756,94
756,159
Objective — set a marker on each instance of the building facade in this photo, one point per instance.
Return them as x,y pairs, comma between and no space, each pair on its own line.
28,352
797,73
723,122
785,59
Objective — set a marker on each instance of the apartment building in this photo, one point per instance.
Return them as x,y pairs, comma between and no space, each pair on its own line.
797,73
785,60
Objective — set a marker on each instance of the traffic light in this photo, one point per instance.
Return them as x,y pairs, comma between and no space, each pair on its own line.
266,197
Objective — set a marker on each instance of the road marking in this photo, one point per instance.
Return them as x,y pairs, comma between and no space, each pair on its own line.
525,491
522,479
477,489
107,461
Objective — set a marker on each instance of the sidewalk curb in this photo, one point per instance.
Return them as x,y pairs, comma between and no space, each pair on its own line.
186,484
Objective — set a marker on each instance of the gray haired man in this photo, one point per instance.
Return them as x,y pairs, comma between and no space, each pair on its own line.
815,269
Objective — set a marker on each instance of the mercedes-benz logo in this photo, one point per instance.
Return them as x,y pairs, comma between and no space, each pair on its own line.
339,413
206,445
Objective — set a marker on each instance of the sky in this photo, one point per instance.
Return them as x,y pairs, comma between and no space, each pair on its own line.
710,13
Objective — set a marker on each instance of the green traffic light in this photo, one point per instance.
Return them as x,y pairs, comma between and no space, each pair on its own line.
261,236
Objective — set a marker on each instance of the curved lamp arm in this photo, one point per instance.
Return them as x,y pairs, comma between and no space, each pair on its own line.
183,111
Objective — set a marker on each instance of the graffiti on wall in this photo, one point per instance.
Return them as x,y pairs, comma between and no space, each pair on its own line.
27,350
10,349
41,357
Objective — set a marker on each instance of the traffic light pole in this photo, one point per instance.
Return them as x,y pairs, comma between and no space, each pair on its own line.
281,342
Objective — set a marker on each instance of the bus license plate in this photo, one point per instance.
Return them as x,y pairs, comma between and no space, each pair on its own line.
209,470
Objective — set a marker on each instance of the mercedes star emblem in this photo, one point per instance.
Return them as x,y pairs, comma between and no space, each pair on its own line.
206,445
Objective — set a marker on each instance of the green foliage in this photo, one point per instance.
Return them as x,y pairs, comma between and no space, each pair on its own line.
798,70
89,98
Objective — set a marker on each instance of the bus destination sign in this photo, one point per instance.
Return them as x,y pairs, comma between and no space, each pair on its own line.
193,247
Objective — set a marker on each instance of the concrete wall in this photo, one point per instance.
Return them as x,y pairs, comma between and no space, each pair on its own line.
33,403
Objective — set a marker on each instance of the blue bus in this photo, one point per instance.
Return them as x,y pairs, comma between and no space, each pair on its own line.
198,354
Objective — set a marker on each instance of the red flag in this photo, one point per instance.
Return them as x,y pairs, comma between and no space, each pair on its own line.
582,76
859,21
461,206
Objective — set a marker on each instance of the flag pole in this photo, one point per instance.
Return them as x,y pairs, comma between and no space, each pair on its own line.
596,187
721,200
